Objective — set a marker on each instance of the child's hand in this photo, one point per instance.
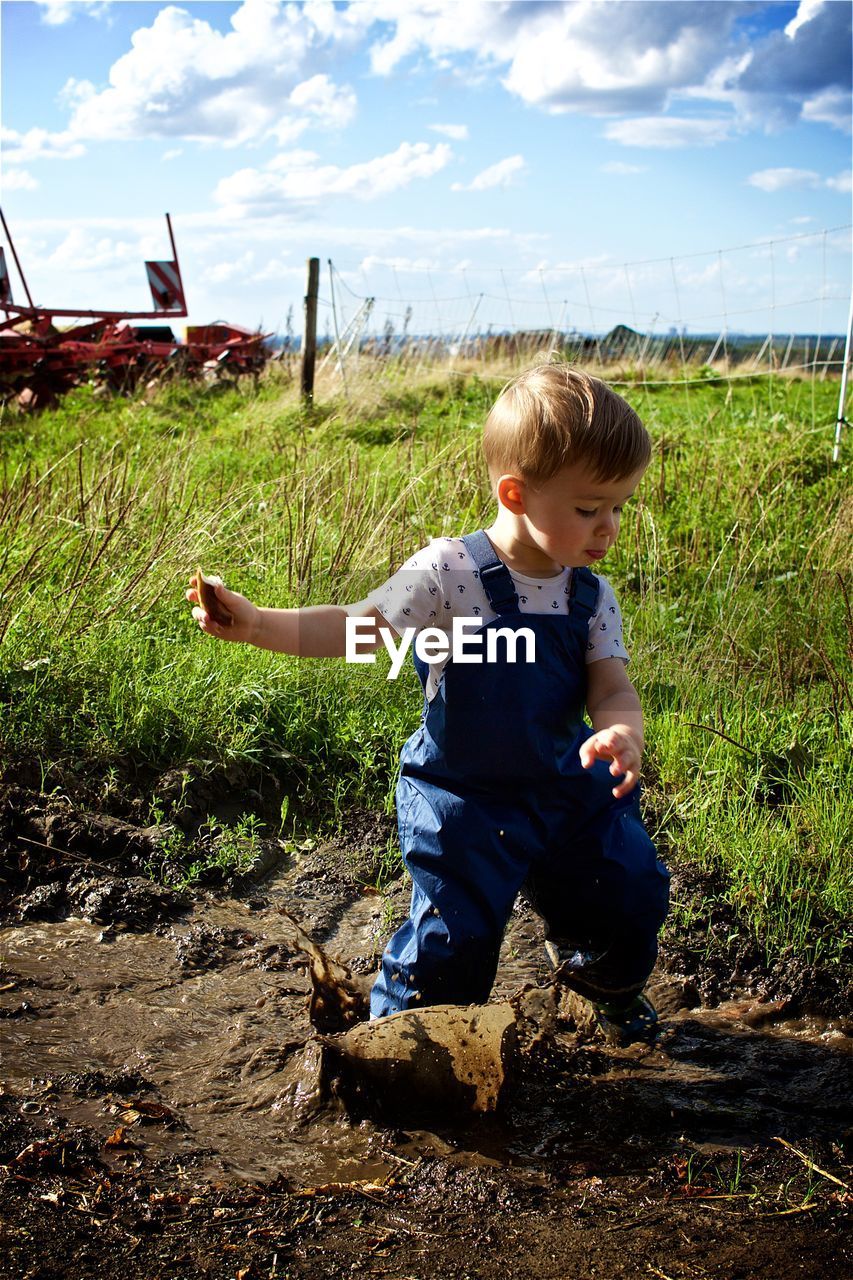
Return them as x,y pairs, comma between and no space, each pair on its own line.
245,615
621,745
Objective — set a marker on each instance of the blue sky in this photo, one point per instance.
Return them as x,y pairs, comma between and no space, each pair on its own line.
574,164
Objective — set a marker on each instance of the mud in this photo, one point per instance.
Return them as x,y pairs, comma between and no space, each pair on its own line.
166,1105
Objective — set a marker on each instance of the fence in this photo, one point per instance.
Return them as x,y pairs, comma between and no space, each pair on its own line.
768,306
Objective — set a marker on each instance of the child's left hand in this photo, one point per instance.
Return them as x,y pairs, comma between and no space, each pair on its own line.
621,746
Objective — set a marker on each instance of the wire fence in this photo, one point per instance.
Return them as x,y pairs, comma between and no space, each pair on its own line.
770,306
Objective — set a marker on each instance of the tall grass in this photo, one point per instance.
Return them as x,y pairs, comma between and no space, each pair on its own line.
733,569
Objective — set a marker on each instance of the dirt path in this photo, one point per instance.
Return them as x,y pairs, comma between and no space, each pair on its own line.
156,1117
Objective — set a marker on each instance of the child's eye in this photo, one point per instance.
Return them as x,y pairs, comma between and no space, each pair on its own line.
581,512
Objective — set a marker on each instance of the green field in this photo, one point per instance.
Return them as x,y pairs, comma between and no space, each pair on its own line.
733,570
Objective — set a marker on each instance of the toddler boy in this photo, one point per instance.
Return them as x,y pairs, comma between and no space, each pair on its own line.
504,787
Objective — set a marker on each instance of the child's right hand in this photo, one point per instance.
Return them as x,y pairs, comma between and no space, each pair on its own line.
246,617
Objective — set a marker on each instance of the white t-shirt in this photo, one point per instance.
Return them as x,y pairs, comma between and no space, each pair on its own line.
441,582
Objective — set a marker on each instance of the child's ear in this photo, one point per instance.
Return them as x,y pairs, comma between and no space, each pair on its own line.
510,492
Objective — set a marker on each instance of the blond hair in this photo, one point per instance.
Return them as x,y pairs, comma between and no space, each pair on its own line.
553,416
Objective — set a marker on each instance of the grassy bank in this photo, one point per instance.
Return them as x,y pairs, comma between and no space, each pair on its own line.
733,570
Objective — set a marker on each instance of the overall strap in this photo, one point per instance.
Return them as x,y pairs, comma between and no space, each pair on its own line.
583,593
494,575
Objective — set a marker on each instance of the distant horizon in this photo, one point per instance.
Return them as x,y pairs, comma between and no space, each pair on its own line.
564,337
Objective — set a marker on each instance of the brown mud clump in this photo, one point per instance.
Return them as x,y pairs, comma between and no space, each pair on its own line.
446,1058
450,1057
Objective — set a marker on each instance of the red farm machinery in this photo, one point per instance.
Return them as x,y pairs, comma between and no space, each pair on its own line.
39,361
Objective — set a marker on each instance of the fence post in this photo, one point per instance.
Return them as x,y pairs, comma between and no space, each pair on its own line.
309,339
841,421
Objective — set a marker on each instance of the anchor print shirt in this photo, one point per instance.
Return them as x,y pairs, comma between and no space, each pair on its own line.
441,582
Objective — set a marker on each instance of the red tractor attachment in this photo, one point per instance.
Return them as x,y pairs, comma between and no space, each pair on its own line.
39,362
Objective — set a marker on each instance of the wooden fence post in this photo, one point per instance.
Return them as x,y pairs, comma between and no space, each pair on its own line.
309,339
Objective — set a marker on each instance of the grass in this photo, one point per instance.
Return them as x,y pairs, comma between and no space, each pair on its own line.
217,850
742,1175
733,570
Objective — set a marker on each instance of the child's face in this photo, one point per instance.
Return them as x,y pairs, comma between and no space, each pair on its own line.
573,518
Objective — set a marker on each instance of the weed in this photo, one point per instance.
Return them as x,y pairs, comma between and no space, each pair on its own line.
220,851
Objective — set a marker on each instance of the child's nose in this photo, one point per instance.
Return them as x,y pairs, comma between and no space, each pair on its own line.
607,522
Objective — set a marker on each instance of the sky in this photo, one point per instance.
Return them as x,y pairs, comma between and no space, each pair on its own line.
572,164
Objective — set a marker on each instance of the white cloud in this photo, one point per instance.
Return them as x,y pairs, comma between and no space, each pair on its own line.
321,102
83,251
19,180
805,67
698,277
784,179
842,182
617,57
264,76
619,167
181,78
332,105
295,159
278,269
296,176
39,144
230,269
441,28
373,262
831,106
596,56
173,153
456,132
56,13
557,272
614,57
804,14
669,132
497,175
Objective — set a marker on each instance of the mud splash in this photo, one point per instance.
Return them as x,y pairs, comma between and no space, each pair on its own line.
452,1057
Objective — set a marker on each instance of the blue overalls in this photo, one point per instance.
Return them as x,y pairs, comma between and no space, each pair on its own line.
492,799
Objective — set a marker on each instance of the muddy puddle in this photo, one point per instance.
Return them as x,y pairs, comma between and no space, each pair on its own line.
202,1015
161,1076
206,1019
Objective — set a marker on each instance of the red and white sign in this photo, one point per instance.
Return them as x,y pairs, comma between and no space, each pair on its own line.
5,282
165,285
